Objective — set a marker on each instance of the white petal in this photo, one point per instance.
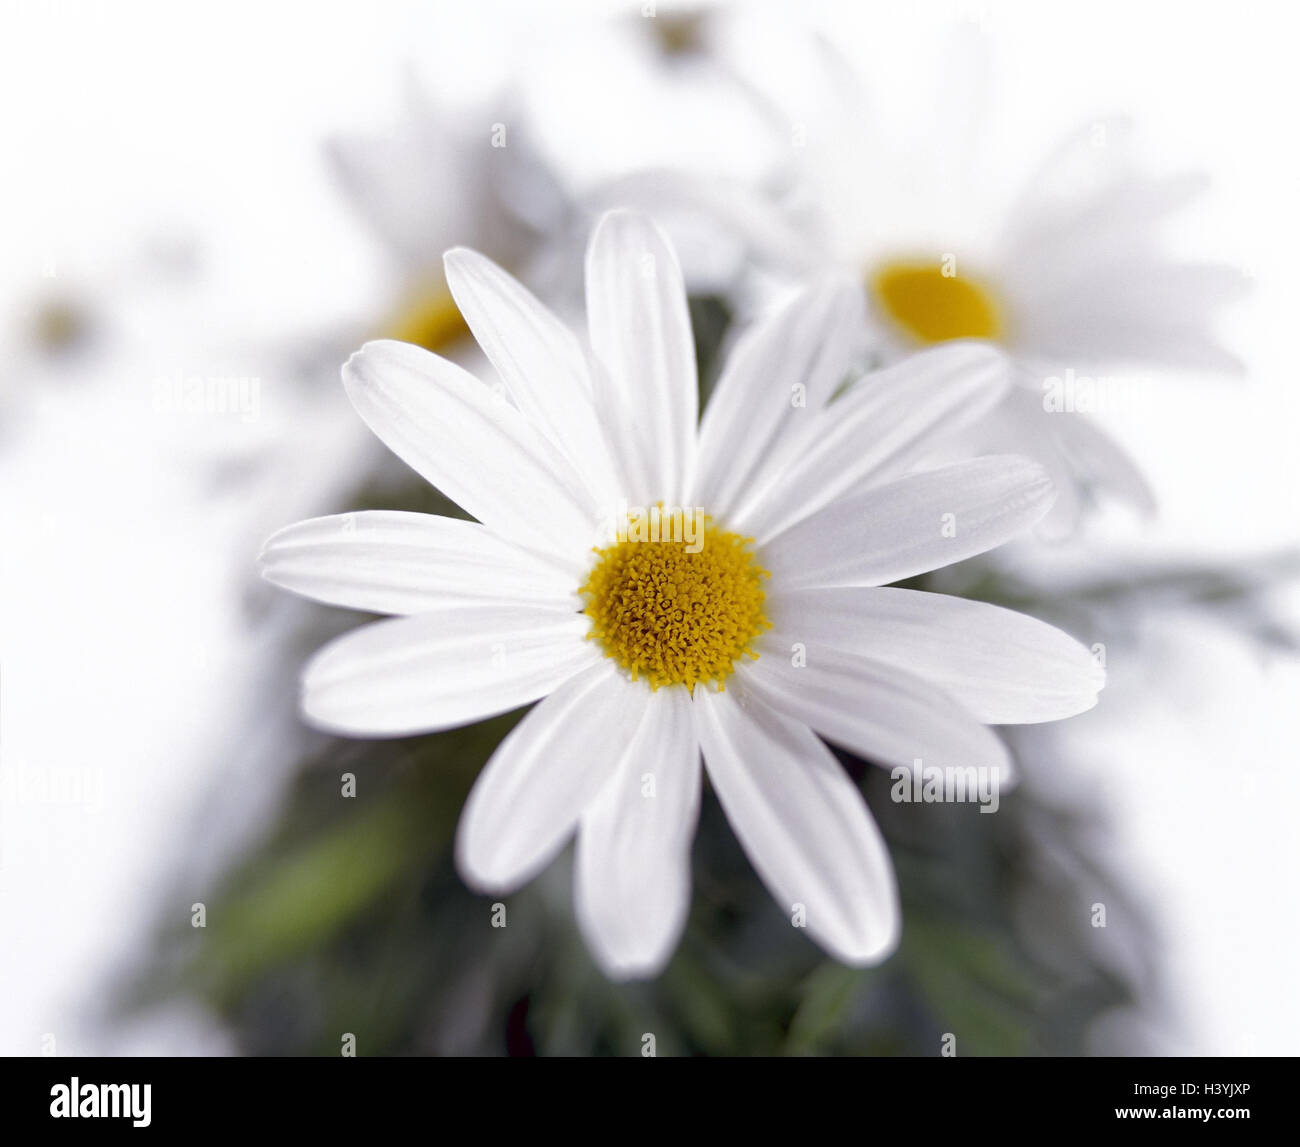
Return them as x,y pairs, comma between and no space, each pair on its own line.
540,362
958,122
1148,286
757,405
1020,425
876,430
441,669
1050,239
641,336
1103,462
1091,335
475,447
1005,668
395,562
910,526
551,766
802,823
730,213
417,184
633,871
1080,457
884,714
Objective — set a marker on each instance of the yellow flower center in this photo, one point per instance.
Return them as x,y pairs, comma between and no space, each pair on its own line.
429,318
680,610
933,305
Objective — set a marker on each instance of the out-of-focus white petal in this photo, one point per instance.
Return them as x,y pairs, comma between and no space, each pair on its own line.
1052,235
540,362
1003,667
396,562
1085,273
778,377
1102,462
449,667
475,447
418,184
1142,285
876,430
1081,459
802,823
633,871
1077,335
713,222
1123,307
912,525
551,766
640,330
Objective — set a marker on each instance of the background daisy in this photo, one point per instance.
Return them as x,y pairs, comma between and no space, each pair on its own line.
1068,273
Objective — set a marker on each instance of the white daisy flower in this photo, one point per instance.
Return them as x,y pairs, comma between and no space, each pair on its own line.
1068,275
757,621
441,176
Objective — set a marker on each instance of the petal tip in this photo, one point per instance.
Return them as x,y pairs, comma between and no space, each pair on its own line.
475,870
872,946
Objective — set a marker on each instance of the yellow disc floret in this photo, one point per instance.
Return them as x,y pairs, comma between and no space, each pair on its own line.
677,611
429,318
933,304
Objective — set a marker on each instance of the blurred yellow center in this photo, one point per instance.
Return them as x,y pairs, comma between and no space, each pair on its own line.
677,611
932,305
430,319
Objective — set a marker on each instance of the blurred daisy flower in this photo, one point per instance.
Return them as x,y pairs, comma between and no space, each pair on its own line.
666,591
440,177
1068,276
437,176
